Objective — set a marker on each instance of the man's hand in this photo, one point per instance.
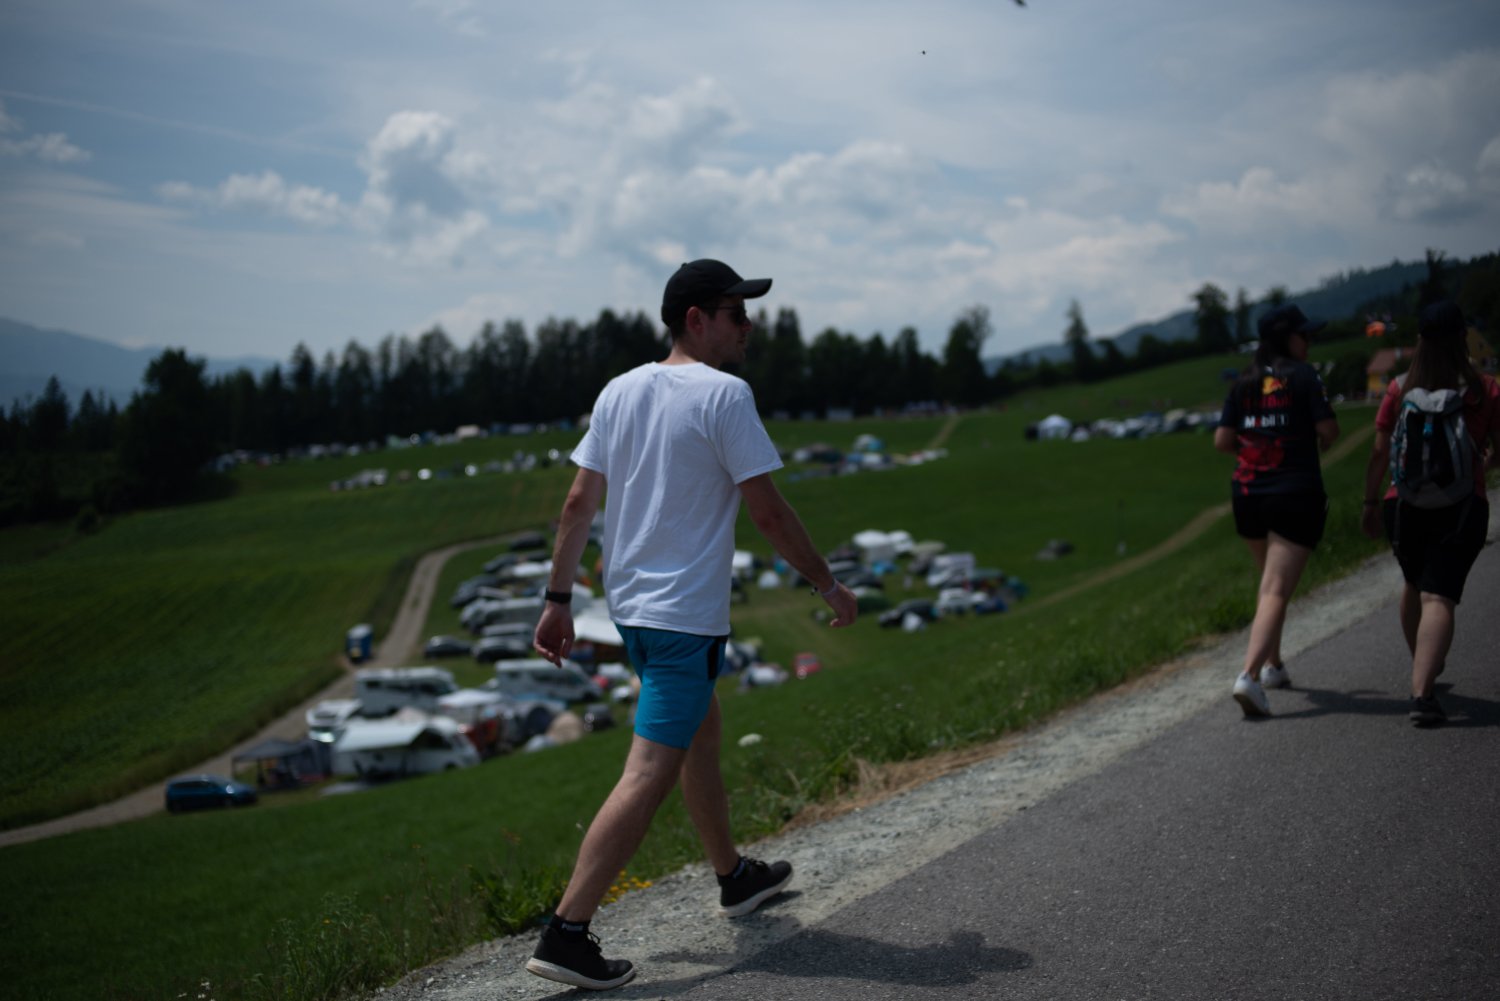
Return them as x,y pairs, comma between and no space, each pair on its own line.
845,606
554,632
1370,521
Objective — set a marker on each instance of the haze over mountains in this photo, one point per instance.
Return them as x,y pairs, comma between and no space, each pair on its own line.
30,355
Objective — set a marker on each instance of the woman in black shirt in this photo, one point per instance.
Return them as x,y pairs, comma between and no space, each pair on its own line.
1275,421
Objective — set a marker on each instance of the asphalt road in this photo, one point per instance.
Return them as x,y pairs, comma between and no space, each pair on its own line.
1333,851
1151,843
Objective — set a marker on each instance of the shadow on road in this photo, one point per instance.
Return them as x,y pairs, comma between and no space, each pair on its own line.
964,958
1463,710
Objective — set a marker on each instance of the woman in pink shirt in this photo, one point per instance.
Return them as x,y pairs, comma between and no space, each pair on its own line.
1435,546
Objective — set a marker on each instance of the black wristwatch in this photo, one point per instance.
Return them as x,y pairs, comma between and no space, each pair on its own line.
558,597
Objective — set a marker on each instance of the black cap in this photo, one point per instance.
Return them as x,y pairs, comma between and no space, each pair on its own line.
1440,320
699,283
1284,321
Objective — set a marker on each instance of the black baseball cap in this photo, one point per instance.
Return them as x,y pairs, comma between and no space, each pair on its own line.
700,282
1284,321
1440,320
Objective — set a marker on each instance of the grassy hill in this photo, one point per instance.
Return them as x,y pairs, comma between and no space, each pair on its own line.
134,652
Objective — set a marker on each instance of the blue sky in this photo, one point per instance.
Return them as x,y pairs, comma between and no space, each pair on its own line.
236,177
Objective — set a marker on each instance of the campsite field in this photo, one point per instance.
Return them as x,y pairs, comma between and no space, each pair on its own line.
186,605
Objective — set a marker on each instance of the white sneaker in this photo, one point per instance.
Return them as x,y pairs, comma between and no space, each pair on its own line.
1272,676
1251,697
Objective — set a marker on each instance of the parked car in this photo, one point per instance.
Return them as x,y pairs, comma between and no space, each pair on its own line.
447,646
507,647
532,678
954,601
198,792
919,606
860,577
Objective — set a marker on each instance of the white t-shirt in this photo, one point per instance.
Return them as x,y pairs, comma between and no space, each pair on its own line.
673,442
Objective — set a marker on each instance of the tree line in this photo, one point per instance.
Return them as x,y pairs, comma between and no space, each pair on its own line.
99,458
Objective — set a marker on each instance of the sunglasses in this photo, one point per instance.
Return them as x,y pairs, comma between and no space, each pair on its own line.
737,313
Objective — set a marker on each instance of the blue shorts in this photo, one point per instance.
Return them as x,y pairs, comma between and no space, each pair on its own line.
677,672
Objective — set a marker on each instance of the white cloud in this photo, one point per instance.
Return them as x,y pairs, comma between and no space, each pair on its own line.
422,189
1258,202
267,193
1430,193
51,147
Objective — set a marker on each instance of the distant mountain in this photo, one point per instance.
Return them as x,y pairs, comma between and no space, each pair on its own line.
29,356
1337,298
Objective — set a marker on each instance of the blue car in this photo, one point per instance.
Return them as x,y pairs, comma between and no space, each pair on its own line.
196,792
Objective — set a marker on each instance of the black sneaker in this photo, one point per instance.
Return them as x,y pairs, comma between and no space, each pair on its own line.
577,962
1426,712
757,884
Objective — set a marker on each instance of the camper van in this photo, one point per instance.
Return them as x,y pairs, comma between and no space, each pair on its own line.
383,690
327,719
537,678
410,743
497,611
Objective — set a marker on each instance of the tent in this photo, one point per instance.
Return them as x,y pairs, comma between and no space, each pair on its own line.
1054,427
875,547
283,764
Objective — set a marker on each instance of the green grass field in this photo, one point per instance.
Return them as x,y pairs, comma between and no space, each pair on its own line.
142,649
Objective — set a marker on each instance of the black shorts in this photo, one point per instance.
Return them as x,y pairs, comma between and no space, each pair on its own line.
1297,518
1436,547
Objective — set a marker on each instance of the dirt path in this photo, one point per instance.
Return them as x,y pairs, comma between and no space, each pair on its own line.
1187,533
399,645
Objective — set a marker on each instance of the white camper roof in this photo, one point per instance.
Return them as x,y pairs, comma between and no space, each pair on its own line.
381,734
593,625
465,697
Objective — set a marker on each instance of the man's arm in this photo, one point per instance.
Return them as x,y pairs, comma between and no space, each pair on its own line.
774,518
554,631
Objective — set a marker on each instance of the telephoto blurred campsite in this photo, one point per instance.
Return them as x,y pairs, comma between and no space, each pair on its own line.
281,620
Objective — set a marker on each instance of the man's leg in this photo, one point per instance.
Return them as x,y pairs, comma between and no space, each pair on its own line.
744,883
651,769
703,792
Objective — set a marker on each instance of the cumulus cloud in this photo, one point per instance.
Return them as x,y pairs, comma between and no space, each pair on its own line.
1430,193
1258,201
421,198
422,192
1418,138
50,147
267,193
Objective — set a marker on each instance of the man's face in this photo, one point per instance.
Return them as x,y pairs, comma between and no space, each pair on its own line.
726,329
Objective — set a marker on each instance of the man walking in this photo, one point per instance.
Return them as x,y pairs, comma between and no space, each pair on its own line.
677,444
